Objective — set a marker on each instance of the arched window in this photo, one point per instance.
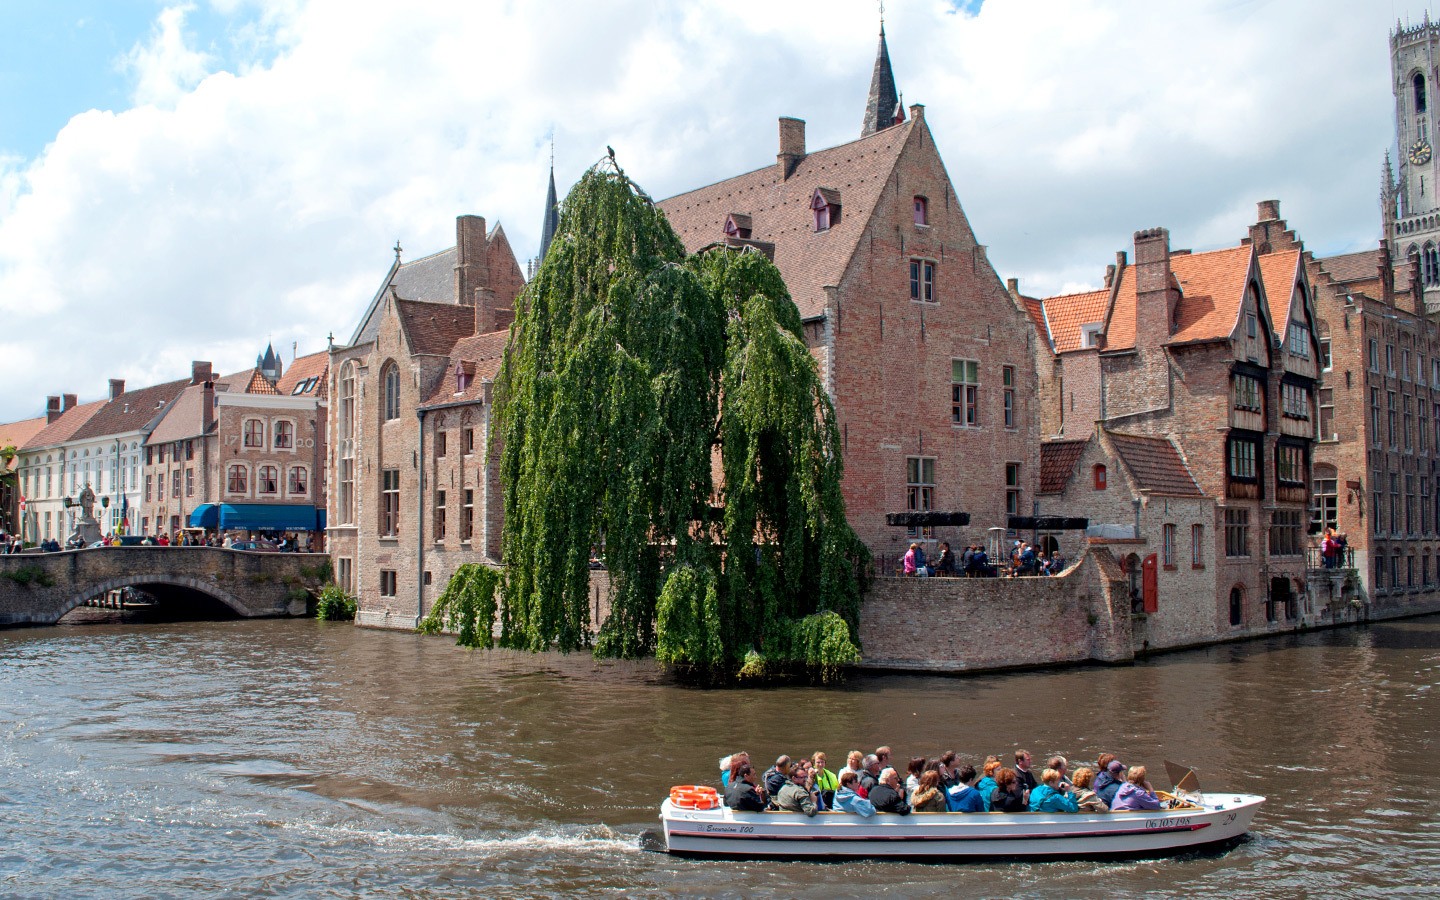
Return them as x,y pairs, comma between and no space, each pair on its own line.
345,498
238,482
390,392
1430,264
267,480
922,211
1237,605
254,433
1100,477
347,402
1419,82
299,481
284,435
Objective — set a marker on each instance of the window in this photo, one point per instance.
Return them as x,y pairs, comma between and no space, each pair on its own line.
1395,570
1435,372
1237,606
922,211
1007,377
1390,360
1327,415
1250,325
1419,83
1168,545
1374,355
965,392
1409,424
284,435
267,480
1392,419
346,499
1294,401
825,204
1101,477
467,441
440,444
345,574
238,482
175,485
1404,363
160,454
189,451
390,502
1409,503
1300,339
1394,501
149,483
1285,532
467,517
439,516
1430,264
1375,416
1325,506
1237,532
1290,463
1242,458
299,481
1377,507
1247,393
922,280
1012,489
1425,504
1325,361
390,392
1197,546
920,491
347,403
254,434
1422,432
1380,571
387,583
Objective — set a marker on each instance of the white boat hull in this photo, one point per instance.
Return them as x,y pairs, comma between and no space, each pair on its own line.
726,832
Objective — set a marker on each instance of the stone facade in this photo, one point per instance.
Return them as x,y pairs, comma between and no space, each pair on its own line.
1411,215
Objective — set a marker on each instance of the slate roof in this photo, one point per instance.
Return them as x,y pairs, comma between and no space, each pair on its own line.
433,328
1155,465
131,411
1057,464
429,279
1213,291
304,368
780,211
64,428
483,353
1064,314
1278,272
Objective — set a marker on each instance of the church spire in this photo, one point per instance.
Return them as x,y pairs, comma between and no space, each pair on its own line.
882,109
551,221
1388,190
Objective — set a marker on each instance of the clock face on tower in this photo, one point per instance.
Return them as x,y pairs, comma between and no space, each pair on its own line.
1420,152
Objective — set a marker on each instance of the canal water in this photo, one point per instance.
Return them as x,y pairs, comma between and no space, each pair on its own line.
309,759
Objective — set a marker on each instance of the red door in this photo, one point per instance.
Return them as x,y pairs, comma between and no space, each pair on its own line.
1149,586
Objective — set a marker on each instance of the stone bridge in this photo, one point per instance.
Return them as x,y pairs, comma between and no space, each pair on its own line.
39,588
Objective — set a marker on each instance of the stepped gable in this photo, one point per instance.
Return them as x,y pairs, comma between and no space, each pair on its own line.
301,371
780,212
1064,315
64,428
1279,272
480,355
432,329
1057,464
1155,464
132,410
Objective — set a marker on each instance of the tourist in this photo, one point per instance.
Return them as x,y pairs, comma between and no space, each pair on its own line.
743,794
731,763
963,797
794,795
1107,783
886,796
927,797
914,562
1135,793
913,773
848,799
869,774
967,561
1008,796
946,564
949,767
1085,796
1052,795
826,784
854,762
1057,562
1329,549
986,785
776,776
1024,773
1061,765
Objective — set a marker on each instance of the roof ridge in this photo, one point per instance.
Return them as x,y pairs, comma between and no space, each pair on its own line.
429,256
1099,290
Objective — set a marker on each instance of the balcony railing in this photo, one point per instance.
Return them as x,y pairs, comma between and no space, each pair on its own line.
1344,560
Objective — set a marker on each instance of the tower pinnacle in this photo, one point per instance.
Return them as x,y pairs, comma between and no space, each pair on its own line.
882,109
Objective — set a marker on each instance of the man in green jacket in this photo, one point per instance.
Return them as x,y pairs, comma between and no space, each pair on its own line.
795,796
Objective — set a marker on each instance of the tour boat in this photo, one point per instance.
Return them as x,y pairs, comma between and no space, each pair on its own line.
1201,822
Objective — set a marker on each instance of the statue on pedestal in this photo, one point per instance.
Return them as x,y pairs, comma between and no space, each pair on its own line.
87,530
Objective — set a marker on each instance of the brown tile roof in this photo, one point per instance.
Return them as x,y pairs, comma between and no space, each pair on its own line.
1057,464
131,411
433,328
1278,272
780,211
1348,267
186,416
1065,314
16,434
1155,464
482,354
1212,292
259,384
304,368
64,428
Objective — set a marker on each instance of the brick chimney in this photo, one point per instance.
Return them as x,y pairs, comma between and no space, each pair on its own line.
200,372
1154,300
52,409
792,145
1268,211
117,387
207,406
472,259
70,401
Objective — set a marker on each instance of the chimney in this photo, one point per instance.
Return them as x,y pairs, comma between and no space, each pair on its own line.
472,258
52,409
1269,211
207,406
117,387
69,401
1154,301
792,145
917,112
200,372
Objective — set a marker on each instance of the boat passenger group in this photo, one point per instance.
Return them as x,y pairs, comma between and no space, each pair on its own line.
869,784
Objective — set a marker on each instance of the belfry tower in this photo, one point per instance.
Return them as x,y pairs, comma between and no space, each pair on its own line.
1410,198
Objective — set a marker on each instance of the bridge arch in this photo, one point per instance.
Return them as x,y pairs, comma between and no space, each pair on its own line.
203,586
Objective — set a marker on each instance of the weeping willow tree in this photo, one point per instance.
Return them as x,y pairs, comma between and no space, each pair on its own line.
610,413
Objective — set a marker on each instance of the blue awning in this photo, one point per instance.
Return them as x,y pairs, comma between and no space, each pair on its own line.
258,517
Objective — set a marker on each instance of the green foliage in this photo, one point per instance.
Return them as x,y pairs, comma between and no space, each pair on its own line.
467,607
335,605
321,573
610,416
297,593
28,575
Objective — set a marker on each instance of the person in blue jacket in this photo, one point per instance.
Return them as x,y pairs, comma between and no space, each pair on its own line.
1052,795
963,797
846,800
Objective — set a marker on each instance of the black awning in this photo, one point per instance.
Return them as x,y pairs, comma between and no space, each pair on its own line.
1047,523
920,519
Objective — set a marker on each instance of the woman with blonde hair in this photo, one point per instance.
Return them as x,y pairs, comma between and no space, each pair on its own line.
826,784
1135,793
1085,796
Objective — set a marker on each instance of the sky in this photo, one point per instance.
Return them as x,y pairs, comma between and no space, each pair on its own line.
189,181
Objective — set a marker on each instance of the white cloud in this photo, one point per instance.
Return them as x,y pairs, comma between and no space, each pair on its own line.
228,207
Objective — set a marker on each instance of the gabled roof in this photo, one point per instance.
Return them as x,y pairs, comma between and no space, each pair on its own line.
1155,465
186,416
259,384
64,428
1057,464
1279,272
1065,314
17,434
302,370
781,215
482,353
433,328
131,411
1212,289
1347,267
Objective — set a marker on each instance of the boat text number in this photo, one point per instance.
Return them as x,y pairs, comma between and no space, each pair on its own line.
1168,823
731,829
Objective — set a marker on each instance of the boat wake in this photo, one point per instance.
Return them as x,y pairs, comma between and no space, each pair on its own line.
589,840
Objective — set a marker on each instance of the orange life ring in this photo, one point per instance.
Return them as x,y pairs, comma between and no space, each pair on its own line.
695,789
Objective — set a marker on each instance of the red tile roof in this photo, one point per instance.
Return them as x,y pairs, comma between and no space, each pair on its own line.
131,411
1212,293
1035,309
1120,326
259,384
1279,272
1155,464
780,211
1057,464
16,434
304,368
63,428
483,353
434,328
1066,313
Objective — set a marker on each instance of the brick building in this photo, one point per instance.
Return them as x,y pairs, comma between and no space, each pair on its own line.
927,358
46,470
14,435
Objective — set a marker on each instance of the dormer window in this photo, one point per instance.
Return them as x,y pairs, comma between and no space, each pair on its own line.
825,204
738,225
922,211
1090,334
464,374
